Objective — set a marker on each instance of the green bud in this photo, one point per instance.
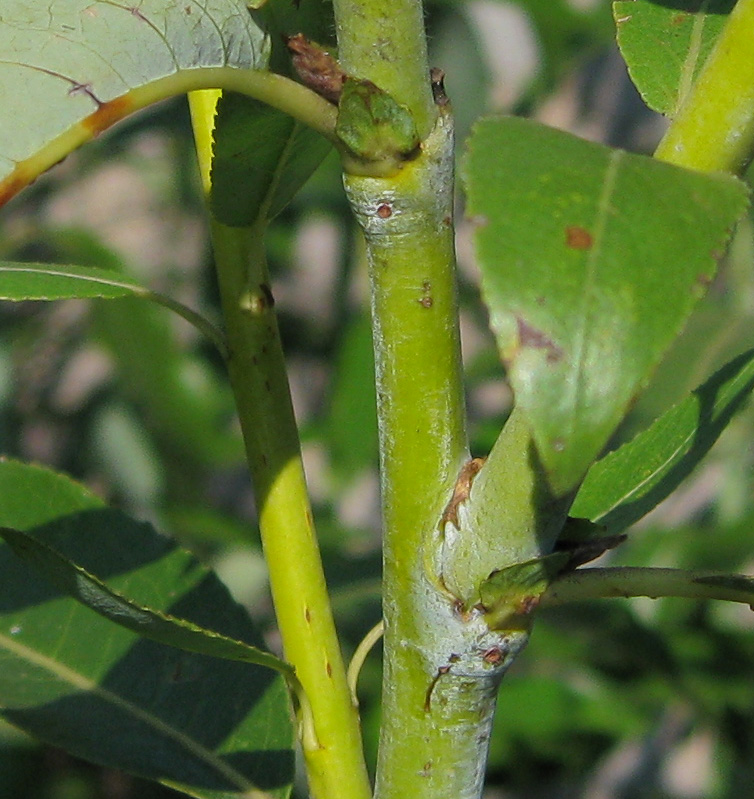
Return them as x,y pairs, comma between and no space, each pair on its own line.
372,125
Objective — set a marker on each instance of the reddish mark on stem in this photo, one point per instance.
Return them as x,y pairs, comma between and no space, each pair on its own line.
578,238
493,655
328,667
307,615
426,301
384,210
428,698
107,114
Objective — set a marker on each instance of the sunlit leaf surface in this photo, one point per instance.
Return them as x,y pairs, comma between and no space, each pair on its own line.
586,293
665,45
68,67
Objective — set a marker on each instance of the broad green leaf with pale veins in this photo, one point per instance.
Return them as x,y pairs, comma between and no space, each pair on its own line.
212,728
70,68
665,45
591,261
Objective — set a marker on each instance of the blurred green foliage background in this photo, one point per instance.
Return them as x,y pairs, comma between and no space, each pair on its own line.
616,700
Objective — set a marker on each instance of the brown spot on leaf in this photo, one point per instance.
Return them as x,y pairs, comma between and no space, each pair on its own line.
107,114
529,336
677,19
316,68
703,280
578,238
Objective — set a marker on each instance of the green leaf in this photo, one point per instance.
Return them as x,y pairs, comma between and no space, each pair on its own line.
665,45
80,61
591,261
20,281
261,158
626,484
211,728
147,622
352,418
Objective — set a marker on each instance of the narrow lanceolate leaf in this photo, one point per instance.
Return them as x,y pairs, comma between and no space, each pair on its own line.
591,261
212,728
628,483
20,281
70,68
665,45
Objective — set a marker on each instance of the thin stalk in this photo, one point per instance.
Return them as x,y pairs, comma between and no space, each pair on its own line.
257,372
256,365
630,581
714,128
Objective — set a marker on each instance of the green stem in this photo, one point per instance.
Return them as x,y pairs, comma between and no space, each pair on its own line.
256,365
409,237
585,584
332,750
714,128
384,41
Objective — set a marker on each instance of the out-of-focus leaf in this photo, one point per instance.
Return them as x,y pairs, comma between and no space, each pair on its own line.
566,32
21,281
69,68
666,44
261,158
352,426
212,728
586,294
626,484
182,400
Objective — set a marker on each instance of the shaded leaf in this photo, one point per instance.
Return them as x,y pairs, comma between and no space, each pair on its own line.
586,293
212,728
665,45
147,622
261,158
80,61
626,484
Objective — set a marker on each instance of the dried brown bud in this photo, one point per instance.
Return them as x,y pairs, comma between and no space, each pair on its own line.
316,68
